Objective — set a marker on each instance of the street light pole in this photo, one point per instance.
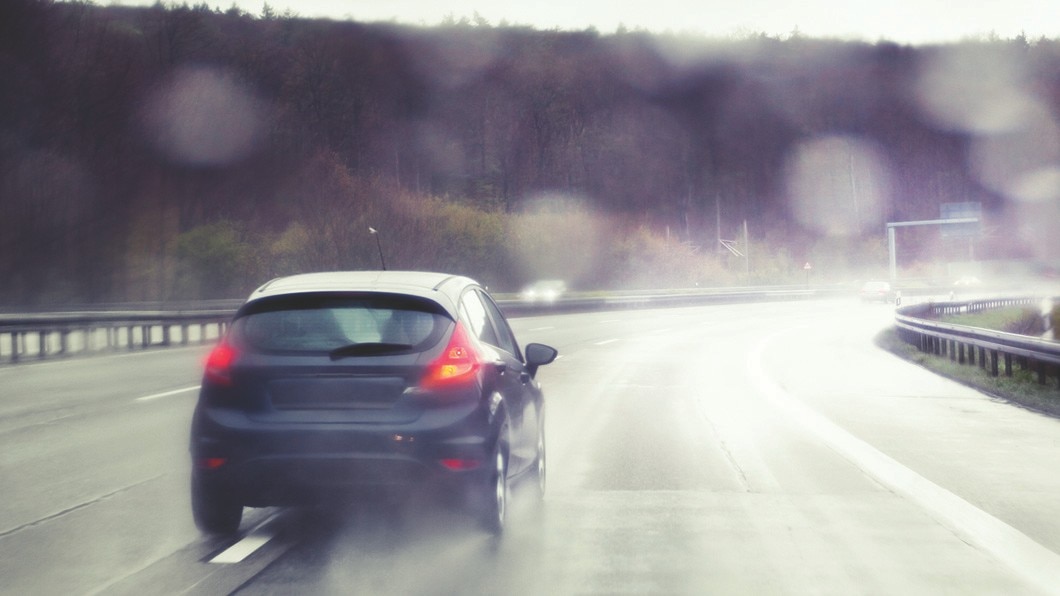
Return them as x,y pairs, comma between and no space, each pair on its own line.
378,245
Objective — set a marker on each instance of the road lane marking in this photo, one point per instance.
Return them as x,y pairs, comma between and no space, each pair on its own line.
542,328
78,507
1019,552
168,393
254,540
606,341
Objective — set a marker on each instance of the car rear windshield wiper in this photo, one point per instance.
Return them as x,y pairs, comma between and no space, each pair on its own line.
368,349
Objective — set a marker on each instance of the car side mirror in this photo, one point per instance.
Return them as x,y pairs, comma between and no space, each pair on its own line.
538,355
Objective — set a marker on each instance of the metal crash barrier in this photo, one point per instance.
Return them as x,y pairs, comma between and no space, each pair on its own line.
40,336
991,350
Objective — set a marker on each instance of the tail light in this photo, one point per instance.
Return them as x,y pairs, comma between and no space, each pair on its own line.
210,463
459,362
219,364
456,464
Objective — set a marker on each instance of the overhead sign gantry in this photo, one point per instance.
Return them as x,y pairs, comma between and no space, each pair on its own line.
929,222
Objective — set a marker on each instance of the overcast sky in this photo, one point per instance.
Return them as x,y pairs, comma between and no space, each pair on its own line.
904,21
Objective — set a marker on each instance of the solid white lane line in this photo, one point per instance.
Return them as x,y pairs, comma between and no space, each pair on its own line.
1019,552
257,538
542,328
167,393
606,341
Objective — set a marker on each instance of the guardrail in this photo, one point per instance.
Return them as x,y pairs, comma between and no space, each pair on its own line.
692,298
44,335
38,336
975,346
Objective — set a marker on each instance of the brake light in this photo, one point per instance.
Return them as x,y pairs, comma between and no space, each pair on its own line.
460,464
459,362
219,364
210,463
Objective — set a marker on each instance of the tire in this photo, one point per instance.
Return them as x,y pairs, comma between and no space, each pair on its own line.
538,474
214,511
494,512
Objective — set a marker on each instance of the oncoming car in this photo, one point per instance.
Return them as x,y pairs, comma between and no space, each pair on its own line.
353,385
546,290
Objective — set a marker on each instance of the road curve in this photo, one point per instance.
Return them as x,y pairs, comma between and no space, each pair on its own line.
769,449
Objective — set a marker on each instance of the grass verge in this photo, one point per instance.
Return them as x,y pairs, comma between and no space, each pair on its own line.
1013,319
1021,388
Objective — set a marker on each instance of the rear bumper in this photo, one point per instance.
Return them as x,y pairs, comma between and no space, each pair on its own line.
285,464
274,481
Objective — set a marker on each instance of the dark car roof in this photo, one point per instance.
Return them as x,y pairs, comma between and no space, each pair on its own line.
443,288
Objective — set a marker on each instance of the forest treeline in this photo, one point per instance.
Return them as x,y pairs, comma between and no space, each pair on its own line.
178,152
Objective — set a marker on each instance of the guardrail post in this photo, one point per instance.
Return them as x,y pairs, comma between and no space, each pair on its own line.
960,353
183,334
14,346
993,363
42,345
165,335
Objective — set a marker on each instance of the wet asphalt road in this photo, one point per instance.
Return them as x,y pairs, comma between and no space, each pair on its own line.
768,449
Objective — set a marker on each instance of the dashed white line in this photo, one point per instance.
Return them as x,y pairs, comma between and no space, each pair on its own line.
257,538
543,328
168,393
606,341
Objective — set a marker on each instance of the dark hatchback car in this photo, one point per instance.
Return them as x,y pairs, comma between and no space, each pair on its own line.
353,385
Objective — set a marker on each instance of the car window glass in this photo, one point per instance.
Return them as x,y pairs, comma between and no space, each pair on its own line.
505,338
477,318
325,326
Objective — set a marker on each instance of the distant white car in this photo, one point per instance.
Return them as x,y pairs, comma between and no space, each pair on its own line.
546,290
877,291
968,281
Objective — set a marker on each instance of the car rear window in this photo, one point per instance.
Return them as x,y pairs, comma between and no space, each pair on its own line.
323,323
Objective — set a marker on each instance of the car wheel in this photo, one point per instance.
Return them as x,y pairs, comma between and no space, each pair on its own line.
538,473
495,499
213,510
